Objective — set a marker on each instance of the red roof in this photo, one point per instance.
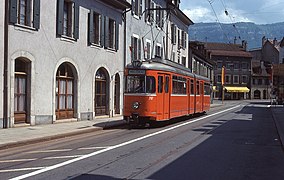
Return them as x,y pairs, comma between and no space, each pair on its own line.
231,53
223,49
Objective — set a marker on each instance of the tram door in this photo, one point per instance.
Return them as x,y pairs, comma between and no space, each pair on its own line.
202,95
163,97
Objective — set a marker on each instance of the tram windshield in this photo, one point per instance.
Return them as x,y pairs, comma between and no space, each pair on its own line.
140,84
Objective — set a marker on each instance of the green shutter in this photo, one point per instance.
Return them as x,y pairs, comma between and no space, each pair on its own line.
59,15
76,20
116,35
91,36
139,50
102,38
28,13
36,15
13,11
140,8
106,32
133,6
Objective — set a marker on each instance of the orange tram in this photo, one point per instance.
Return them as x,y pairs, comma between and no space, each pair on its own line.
159,90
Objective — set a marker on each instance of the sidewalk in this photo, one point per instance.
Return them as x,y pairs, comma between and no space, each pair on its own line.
30,134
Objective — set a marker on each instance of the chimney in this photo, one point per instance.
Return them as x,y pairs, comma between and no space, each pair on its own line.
244,44
274,41
263,40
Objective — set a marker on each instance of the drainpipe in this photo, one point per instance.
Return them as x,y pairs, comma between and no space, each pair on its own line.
5,93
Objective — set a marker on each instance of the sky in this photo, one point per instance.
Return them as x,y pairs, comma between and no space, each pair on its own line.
232,11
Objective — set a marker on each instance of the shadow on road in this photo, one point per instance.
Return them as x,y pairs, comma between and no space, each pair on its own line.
245,147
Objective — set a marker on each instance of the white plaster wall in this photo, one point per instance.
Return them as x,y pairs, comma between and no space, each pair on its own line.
174,48
139,27
50,51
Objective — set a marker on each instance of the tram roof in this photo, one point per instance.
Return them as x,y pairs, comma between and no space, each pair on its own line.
166,65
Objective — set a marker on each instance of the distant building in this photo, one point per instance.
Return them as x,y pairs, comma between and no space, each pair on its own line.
199,63
267,76
237,63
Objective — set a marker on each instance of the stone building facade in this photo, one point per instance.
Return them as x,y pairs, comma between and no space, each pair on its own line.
61,57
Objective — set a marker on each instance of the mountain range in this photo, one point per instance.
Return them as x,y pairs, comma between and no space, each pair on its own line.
236,33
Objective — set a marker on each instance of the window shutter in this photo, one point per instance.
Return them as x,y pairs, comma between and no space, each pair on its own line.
139,49
140,8
132,48
116,35
157,16
91,37
60,11
162,52
152,13
102,38
13,11
28,13
173,33
185,40
162,18
36,15
146,10
76,20
133,6
106,32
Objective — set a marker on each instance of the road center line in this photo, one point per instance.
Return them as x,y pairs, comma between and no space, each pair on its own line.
49,168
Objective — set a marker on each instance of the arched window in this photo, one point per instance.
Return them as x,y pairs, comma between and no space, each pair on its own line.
64,92
21,91
101,94
256,94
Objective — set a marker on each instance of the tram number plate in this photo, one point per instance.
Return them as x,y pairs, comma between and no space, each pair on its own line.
139,72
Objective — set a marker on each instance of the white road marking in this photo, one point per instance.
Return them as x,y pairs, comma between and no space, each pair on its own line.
49,168
49,151
62,157
91,148
21,169
16,160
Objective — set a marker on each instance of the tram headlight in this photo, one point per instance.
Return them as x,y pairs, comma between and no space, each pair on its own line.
135,105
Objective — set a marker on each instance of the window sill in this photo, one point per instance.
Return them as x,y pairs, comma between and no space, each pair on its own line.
111,50
67,39
97,46
25,28
136,16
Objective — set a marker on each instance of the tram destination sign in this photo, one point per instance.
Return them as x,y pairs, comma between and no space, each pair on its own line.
137,71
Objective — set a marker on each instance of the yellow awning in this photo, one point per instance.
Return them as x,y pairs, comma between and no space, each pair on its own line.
237,89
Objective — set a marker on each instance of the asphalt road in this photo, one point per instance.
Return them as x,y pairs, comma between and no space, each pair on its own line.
235,141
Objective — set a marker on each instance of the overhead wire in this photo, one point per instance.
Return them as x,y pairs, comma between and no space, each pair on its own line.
211,2
231,18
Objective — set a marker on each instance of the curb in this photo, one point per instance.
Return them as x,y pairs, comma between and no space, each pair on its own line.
62,135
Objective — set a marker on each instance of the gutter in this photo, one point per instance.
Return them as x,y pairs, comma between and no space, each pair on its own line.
6,40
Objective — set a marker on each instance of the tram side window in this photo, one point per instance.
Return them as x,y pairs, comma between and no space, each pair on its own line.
206,89
167,85
191,87
140,84
150,84
179,85
160,84
197,88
